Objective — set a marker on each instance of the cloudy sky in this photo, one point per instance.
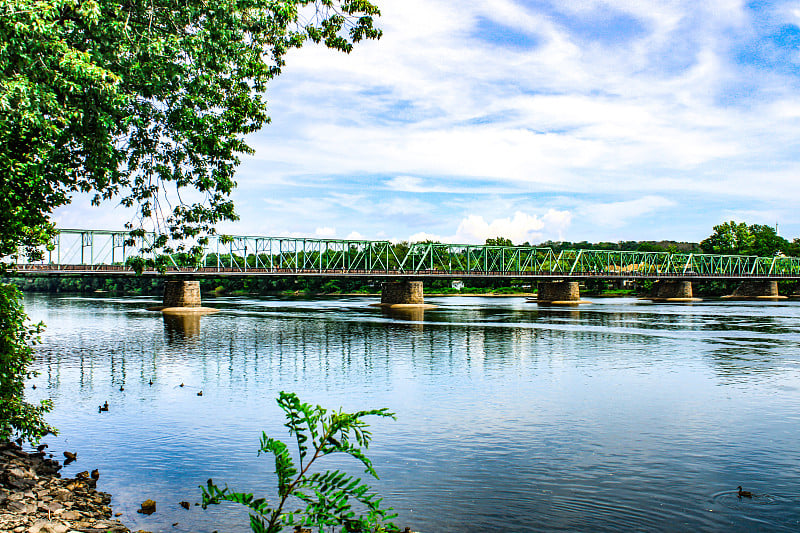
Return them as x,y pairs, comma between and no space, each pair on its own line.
532,119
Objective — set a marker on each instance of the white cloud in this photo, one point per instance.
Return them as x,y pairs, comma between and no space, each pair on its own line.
325,233
425,236
406,184
618,214
400,206
522,227
519,228
355,236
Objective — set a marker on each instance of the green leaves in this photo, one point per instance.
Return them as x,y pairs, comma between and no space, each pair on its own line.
18,417
739,238
329,496
141,100
284,466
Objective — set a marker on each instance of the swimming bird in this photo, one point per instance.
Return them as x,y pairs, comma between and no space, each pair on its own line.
744,493
151,382
102,408
95,474
70,457
200,393
41,447
181,384
121,388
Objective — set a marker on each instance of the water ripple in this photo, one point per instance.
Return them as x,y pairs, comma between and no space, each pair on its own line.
620,415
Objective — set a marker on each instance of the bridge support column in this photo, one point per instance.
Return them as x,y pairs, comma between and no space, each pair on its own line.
182,297
756,290
559,293
402,293
182,294
673,291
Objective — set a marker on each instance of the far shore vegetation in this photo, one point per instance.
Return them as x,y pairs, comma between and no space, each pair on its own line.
313,287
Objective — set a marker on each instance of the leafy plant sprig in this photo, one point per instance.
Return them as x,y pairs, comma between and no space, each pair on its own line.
326,495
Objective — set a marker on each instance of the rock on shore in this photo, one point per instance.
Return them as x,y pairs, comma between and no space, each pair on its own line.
35,499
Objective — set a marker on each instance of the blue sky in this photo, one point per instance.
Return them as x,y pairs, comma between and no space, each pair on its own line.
534,120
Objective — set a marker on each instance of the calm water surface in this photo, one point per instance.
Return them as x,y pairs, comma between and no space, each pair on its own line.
617,415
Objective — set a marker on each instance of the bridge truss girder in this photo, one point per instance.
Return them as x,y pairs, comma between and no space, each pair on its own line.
112,251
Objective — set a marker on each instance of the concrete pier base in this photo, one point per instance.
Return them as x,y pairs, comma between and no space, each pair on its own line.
182,297
399,294
559,293
672,291
756,290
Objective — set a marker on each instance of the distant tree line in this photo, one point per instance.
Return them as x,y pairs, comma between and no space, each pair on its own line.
728,238
154,286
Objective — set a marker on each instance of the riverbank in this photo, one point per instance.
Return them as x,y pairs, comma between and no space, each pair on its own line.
439,294
34,498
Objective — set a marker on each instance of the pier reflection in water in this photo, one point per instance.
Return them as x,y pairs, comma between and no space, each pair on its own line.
511,417
415,314
181,326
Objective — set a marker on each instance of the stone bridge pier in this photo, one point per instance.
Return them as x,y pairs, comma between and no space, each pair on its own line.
672,291
756,290
559,293
182,297
182,294
403,294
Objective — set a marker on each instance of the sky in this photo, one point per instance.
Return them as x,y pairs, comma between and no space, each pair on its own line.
531,120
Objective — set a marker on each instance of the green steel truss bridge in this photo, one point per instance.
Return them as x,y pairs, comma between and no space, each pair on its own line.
95,252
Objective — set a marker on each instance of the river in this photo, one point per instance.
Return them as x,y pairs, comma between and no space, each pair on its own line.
617,415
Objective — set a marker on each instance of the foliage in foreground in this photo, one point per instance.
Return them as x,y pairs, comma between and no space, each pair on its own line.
17,417
327,496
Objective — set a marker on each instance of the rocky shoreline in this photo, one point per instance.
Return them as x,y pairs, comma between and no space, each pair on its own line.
34,498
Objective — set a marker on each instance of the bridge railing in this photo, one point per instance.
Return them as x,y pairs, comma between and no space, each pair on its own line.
113,251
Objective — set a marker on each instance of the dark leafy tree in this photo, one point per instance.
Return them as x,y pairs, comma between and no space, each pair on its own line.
499,241
739,238
766,241
18,418
728,238
141,100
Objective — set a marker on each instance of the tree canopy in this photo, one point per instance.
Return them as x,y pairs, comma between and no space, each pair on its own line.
141,100
741,239
499,241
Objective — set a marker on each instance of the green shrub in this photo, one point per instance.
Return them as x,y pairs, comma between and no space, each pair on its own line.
327,495
18,418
